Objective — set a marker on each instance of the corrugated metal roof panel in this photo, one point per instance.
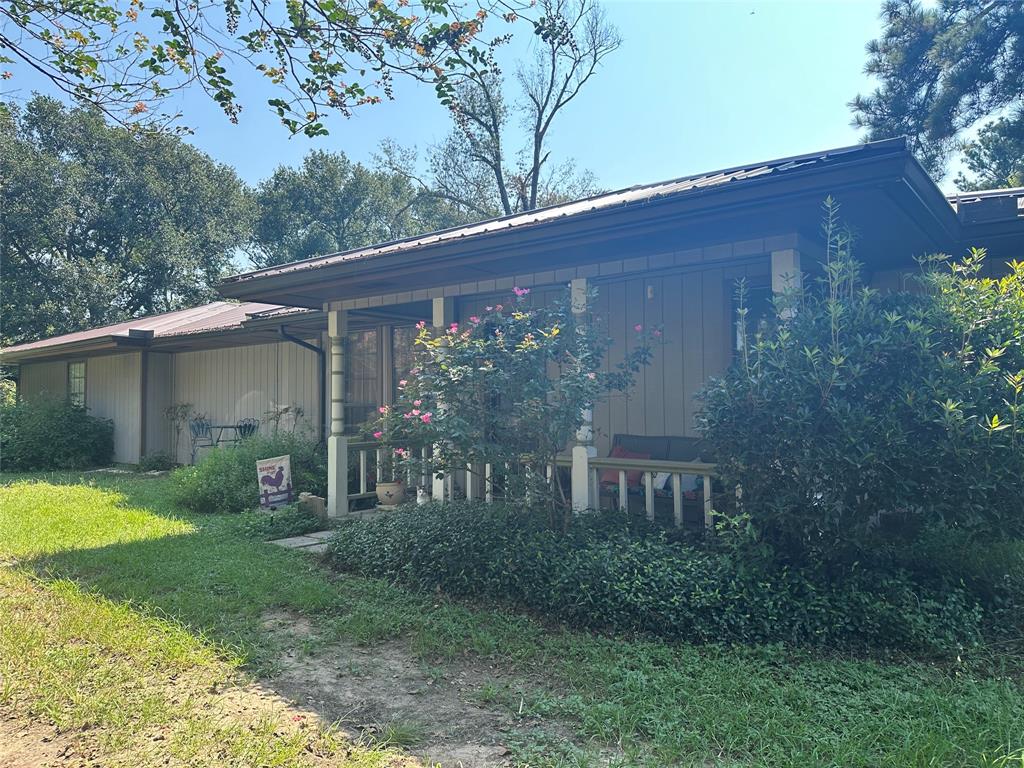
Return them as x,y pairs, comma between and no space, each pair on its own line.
218,315
637,195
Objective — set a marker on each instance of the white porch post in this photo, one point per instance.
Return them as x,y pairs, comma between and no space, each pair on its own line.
442,316
337,443
583,450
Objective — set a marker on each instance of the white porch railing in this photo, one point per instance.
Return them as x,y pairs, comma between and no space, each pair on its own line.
480,481
368,456
649,469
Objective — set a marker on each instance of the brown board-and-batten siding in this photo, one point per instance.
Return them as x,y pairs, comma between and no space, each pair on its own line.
251,381
42,379
112,391
693,308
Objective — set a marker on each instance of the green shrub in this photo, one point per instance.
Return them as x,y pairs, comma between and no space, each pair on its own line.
224,479
289,520
50,433
859,420
604,576
157,462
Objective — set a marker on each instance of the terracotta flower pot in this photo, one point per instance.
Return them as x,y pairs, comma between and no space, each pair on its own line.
390,494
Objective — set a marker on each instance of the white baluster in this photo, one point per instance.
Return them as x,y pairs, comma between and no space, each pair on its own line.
623,491
708,522
677,499
649,494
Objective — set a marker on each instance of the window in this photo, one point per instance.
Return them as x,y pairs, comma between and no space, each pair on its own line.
76,383
403,354
362,383
760,311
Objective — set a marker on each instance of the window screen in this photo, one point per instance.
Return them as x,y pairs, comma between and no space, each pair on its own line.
362,384
76,383
760,311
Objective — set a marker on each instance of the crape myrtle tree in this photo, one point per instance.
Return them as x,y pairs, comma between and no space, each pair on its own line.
507,388
859,422
943,68
126,57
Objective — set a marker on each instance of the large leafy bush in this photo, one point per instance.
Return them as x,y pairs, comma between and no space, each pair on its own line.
224,479
53,433
858,422
604,575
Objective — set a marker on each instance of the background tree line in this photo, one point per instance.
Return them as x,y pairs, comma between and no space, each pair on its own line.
103,218
106,214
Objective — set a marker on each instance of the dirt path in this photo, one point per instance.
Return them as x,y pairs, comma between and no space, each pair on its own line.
383,692
25,744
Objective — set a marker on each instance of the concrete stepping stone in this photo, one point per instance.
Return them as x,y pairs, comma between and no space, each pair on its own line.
315,542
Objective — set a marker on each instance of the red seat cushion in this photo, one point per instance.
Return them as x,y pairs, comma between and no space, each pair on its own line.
633,476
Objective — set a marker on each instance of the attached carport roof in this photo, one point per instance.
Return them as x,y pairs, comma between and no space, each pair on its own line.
170,330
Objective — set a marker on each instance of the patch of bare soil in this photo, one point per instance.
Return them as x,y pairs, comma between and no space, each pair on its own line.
25,744
384,693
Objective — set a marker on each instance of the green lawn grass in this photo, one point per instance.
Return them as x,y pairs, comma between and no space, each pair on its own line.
151,590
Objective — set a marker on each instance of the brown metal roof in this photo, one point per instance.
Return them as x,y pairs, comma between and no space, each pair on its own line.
632,196
216,316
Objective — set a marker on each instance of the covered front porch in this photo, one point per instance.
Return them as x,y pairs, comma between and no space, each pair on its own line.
637,451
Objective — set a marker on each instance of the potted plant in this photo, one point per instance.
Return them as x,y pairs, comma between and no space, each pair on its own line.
385,430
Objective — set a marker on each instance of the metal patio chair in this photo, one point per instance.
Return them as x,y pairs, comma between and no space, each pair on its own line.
202,435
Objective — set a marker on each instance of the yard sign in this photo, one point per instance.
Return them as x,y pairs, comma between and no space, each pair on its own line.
275,478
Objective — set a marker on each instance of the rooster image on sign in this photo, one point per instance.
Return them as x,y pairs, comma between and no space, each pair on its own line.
275,477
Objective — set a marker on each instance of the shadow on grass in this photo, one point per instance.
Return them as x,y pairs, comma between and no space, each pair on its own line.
220,583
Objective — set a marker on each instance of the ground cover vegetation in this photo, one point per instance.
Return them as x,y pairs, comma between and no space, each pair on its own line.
897,443
126,622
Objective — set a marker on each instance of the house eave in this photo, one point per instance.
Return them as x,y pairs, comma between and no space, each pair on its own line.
894,171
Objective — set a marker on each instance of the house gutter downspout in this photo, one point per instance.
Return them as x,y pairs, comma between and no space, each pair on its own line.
322,355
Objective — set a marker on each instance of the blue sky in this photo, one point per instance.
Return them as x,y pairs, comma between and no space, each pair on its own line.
695,86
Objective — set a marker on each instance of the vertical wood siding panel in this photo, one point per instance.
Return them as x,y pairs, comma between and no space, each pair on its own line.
654,376
672,353
602,413
43,379
618,422
715,322
159,395
636,403
112,392
693,347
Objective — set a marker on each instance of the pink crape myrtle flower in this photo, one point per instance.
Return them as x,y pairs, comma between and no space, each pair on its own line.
499,307
657,333
474,319
425,418
415,411
638,327
421,324
382,409
417,403
520,292
378,435
453,327
402,383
